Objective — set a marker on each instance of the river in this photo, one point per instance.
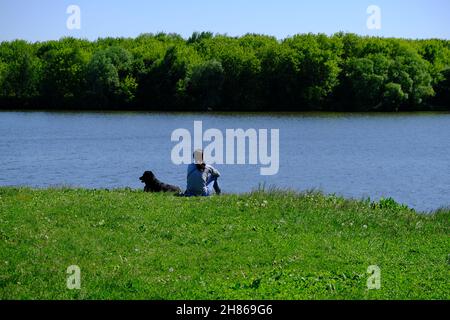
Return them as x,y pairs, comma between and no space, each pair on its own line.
403,156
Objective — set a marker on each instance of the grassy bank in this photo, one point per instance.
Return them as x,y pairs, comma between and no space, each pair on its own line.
276,245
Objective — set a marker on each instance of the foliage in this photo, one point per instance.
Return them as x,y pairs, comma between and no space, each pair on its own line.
253,72
63,72
204,84
108,77
443,89
389,204
20,71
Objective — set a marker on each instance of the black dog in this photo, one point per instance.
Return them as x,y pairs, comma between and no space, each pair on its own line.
154,185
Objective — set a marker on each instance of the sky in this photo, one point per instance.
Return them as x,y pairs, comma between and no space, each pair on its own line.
40,20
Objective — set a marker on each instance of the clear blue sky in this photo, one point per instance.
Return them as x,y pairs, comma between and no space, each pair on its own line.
38,20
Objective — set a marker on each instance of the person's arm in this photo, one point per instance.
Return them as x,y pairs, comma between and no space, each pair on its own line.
214,172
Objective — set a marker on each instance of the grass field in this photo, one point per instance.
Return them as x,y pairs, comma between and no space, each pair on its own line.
264,245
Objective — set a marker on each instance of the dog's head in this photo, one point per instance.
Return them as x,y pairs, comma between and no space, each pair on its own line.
148,177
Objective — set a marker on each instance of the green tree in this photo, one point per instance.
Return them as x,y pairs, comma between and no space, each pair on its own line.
163,86
204,84
20,71
443,91
3,70
199,36
413,74
63,75
303,70
394,96
241,70
108,78
363,81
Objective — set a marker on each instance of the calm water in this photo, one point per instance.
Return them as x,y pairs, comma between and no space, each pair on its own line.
406,157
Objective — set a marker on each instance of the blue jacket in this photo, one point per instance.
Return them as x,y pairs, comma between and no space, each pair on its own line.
197,180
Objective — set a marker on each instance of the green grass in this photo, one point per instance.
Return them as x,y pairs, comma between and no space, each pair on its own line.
274,245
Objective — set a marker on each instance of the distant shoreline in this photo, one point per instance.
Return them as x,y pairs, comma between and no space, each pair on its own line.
343,72
436,110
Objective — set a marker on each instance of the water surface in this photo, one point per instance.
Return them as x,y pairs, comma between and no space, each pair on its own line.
404,156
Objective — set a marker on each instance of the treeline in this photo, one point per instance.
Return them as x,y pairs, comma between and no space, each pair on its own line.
343,72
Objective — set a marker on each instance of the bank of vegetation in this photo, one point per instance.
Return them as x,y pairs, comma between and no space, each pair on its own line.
343,72
264,245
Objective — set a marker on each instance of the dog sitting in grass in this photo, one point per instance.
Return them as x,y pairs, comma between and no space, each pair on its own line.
154,185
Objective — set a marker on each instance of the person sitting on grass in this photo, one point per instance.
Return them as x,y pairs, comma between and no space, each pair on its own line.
201,178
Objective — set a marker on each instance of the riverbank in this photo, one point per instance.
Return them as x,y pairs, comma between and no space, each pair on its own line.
275,245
